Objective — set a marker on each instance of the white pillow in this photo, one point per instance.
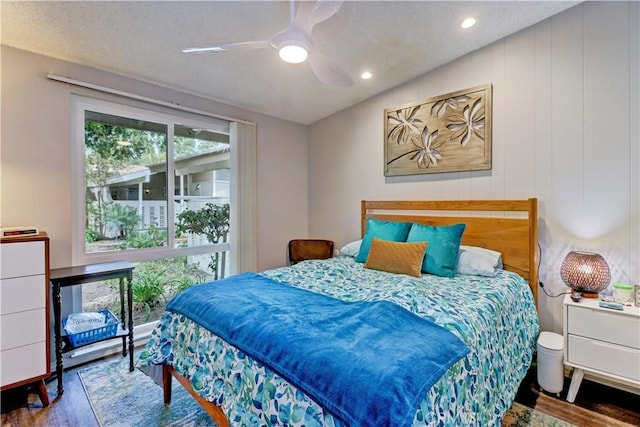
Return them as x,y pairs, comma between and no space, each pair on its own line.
477,261
495,256
351,249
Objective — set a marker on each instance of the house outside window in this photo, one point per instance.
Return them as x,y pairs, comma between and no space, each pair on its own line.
154,189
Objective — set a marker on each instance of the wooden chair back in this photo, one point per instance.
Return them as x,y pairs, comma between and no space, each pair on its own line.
304,249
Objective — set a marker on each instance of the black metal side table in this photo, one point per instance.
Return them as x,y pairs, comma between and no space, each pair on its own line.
70,276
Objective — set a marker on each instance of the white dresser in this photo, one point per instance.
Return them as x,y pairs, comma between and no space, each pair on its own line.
24,312
603,344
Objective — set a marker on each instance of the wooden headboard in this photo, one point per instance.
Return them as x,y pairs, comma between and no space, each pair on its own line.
507,226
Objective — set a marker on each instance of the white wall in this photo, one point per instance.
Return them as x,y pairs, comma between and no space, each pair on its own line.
566,106
35,156
565,130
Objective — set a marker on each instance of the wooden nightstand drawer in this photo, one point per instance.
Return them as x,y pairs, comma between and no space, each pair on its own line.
22,259
23,293
23,328
608,326
23,362
610,358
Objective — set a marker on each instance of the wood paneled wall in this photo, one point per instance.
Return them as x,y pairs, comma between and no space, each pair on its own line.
565,130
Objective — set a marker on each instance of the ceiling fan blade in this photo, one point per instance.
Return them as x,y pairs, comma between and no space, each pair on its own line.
328,71
242,46
309,14
323,10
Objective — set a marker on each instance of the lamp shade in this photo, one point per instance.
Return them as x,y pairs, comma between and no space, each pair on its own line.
585,272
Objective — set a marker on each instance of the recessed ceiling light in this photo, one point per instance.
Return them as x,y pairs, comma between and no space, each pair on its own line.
468,23
123,143
366,75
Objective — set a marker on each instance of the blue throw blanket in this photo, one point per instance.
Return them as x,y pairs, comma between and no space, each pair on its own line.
368,363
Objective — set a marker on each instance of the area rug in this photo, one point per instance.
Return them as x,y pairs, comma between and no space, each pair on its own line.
120,398
522,416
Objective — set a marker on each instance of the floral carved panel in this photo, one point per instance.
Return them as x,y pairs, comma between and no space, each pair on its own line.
447,133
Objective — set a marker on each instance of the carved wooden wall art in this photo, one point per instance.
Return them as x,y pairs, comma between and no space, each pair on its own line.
447,133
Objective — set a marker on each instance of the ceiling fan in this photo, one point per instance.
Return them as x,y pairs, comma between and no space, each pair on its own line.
295,44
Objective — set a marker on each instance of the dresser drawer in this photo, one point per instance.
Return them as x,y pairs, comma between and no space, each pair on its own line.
609,358
23,362
22,293
22,259
603,325
20,329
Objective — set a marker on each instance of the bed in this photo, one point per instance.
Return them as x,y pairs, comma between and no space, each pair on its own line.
495,317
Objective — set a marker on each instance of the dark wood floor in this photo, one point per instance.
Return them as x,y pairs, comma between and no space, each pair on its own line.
22,407
596,405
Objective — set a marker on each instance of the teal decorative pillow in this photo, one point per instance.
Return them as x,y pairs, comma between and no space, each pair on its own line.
383,230
442,252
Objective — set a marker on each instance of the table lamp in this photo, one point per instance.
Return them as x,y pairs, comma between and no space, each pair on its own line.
585,272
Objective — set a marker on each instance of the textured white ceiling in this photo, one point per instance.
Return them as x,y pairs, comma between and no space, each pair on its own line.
395,40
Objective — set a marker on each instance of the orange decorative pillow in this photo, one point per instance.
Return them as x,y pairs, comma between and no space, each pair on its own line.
396,257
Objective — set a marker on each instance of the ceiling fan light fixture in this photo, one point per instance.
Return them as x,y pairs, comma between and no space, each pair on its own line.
295,44
293,53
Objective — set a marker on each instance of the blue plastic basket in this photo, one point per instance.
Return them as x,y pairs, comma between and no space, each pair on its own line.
109,330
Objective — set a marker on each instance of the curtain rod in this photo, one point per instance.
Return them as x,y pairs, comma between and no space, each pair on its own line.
79,83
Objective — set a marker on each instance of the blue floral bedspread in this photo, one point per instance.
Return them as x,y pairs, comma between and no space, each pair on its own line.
495,317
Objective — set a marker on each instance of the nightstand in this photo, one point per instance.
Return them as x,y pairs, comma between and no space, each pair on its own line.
601,343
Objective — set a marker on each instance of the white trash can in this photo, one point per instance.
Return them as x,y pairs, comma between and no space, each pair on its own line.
550,365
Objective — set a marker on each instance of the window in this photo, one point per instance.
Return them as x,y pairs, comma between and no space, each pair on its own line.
151,188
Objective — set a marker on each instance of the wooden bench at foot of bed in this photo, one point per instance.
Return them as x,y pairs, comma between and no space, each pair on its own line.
214,411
